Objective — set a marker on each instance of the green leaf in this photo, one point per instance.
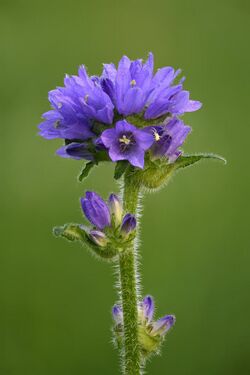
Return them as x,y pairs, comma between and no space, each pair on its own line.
72,232
188,160
85,171
120,169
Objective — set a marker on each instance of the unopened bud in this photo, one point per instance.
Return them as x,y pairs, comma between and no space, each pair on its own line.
128,224
162,326
115,207
98,237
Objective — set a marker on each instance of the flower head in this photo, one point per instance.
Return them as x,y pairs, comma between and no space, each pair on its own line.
96,210
75,106
126,142
133,88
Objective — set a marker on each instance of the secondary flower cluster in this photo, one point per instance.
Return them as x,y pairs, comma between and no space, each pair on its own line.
111,113
107,219
151,332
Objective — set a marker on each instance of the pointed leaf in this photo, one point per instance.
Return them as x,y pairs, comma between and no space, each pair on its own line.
85,171
72,232
188,160
120,169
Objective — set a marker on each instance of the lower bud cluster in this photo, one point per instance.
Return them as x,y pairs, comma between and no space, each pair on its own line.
151,332
112,229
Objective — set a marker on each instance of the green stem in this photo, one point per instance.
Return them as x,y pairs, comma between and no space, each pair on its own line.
129,288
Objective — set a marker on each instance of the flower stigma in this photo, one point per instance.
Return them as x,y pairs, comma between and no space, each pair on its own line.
125,140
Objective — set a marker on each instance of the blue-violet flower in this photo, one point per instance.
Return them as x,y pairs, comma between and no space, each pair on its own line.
126,142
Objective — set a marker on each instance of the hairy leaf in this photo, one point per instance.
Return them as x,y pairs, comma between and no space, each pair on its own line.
188,160
85,171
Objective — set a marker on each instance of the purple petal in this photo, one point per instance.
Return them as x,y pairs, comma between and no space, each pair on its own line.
148,308
136,158
96,210
108,136
144,139
76,151
133,101
128,224
162,326
193,105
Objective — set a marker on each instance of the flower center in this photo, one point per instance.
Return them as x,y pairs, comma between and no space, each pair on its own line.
125,140
156,136
133,83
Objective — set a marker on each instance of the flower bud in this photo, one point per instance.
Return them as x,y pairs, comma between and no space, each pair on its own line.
96,210
115,208
128,224
162,326
98,237
148,308
117,314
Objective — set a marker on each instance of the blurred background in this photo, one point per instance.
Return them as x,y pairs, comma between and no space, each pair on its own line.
55,299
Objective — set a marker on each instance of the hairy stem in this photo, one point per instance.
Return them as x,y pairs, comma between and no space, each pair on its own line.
129,288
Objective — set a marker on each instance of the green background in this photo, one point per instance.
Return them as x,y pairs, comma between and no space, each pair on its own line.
55,299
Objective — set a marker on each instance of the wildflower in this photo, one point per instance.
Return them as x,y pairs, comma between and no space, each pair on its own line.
129,85
168,138
126,142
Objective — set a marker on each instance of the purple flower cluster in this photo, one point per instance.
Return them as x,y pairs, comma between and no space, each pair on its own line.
105,216
85,106
146,313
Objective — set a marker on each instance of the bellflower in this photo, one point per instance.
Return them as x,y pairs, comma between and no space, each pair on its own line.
130,113
168,138
126,142
129,85
75,107
96,210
